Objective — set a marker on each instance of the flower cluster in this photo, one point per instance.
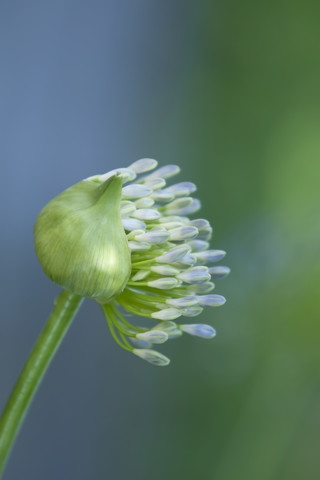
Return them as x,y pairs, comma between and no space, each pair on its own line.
171,276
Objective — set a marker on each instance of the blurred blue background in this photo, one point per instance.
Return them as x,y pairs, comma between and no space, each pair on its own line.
229,91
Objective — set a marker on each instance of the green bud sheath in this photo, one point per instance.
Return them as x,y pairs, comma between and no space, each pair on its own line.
81,243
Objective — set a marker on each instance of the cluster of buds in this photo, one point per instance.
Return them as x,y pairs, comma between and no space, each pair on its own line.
125,239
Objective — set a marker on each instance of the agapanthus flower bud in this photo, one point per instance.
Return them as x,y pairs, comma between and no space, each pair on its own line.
126,240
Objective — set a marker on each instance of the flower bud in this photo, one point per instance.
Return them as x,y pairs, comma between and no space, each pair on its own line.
81,243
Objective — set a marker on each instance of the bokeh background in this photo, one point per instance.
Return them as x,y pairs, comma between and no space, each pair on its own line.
229,90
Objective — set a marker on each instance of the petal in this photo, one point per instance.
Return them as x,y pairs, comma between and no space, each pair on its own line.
140,275
127,208
198,245
143,165
183,206
195,275
153,236
162,197
170,328
152,356
183,302
155,183
167,171
153,336
163,283
209,256
199,330
183,189
144,202
135,190
211,300
146,214
173,255
133,224
166,270
192,311
167,314
138,246
183,233
205,287
219,271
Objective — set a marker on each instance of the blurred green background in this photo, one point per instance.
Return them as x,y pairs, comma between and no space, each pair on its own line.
229,91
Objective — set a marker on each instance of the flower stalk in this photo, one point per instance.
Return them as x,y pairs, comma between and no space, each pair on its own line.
65,309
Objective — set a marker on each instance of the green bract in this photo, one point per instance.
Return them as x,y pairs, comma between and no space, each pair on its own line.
80,241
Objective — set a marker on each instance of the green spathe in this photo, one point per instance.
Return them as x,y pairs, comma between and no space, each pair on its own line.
80,241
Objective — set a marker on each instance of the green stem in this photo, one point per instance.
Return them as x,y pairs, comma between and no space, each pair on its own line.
66,306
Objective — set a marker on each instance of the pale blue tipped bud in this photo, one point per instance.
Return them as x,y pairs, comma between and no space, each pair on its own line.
183,233
199,330
183,302
167,314
137,343
140,275
166,270
205,234
211,300
183,206
132,235
179,206
163,283
173,218
192,311
172,225
153,336
143,165
183,189
131,224
193,208
153,236
135,191
200,223
195,275
167,171
219,271
138,246
127,208
174,255
209,256
170,328
201,288
146,214
188,259
198,245
204,227
162,197
152,356
155,183
145,202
